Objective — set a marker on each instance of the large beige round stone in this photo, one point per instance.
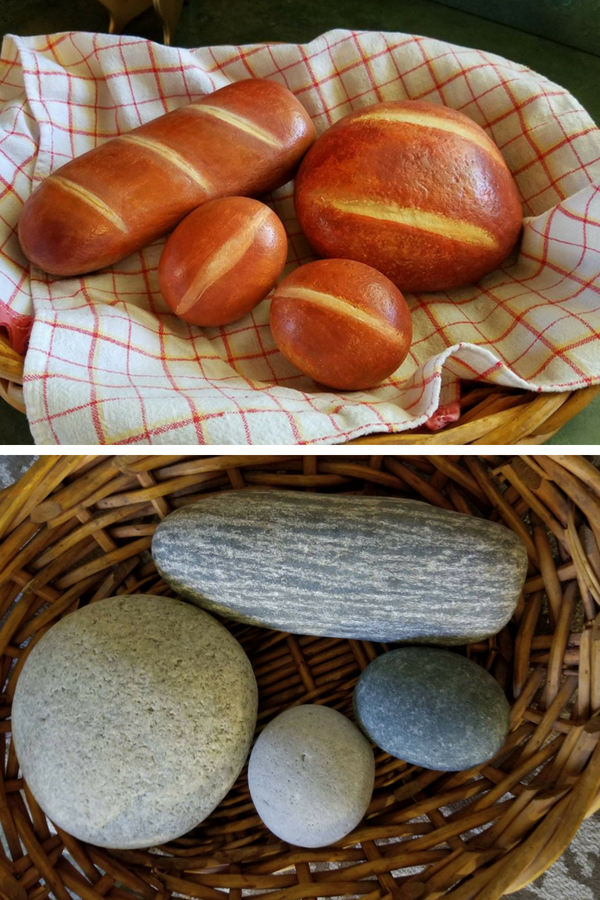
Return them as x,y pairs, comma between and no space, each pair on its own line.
132,718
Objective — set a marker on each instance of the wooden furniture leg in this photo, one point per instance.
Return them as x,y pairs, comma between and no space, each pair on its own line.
123,11
169,12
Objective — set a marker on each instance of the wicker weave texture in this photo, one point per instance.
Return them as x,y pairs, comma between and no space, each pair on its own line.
76,529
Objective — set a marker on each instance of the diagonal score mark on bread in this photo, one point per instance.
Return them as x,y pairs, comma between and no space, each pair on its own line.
339,305
237,121
224,259
428,120
92,200
422,220
170,156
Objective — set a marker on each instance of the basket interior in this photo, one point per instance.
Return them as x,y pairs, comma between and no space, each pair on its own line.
77,529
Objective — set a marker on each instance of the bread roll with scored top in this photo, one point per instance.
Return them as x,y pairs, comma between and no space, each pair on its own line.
246,138
415,189
341,322
222,260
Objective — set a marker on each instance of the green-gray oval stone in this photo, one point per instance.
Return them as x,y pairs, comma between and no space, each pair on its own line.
432,708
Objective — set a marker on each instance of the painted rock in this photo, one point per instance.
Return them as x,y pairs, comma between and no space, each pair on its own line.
372,568
342,323
222,260
415,189
432,708
132,718
311,776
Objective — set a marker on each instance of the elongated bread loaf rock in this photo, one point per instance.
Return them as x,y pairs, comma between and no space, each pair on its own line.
414,189
246,138
370,568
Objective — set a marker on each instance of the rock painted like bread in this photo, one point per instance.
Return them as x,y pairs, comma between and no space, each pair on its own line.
341,322
415,189
222,260
246,138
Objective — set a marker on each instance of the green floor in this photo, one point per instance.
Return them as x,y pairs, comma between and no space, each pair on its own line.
249,21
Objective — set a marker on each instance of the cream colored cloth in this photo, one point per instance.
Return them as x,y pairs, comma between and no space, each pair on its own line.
109,363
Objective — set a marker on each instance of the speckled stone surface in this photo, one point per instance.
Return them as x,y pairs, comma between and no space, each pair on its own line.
373,568
311,776
132,718
432,708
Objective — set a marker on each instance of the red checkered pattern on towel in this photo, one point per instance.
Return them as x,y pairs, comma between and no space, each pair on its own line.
108,362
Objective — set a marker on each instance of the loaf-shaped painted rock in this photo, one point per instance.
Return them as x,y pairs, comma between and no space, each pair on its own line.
222,260
341,322
372,568
246,138
415,189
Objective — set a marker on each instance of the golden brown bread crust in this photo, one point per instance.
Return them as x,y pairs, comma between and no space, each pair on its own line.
246,138
222,260
415,189
341,322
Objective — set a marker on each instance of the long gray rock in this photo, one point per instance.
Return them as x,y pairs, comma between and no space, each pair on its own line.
372,568
132,718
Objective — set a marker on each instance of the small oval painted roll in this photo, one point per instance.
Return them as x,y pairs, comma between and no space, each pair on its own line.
222,260
370,568
341,322
415,189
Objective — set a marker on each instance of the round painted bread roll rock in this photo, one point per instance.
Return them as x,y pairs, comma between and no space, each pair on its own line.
311,776
222,260
432,708
341,322
132,718
415,189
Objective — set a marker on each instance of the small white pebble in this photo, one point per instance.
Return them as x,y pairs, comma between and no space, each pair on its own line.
311,776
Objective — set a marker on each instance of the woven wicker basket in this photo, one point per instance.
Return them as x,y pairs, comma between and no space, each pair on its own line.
490,414
76,529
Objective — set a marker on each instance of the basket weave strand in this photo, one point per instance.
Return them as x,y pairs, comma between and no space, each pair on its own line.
490,414
77,529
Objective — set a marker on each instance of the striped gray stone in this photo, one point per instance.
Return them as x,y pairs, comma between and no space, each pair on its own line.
372,568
